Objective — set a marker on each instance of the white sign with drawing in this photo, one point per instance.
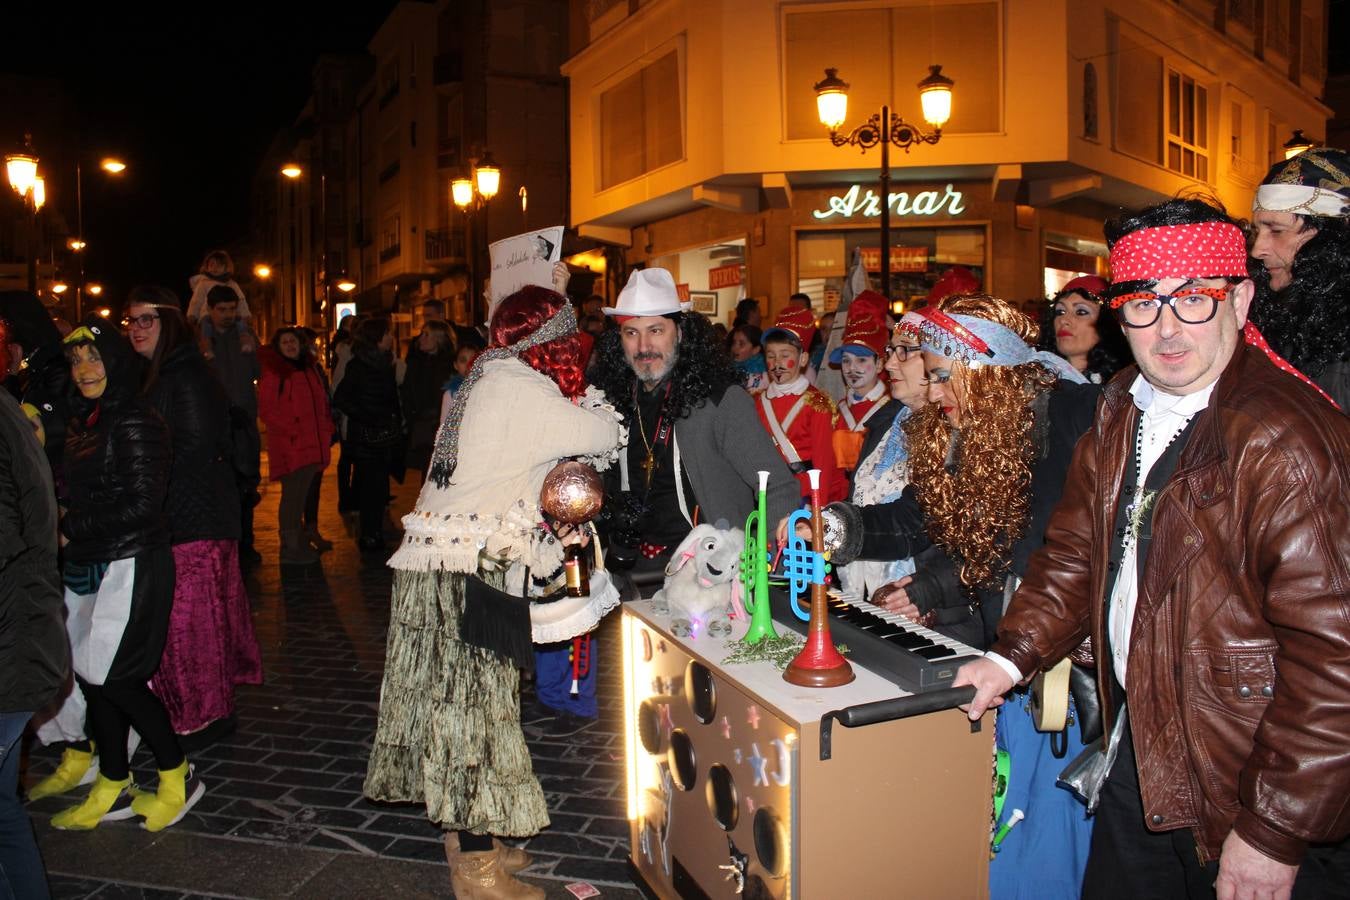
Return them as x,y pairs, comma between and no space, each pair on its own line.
525,259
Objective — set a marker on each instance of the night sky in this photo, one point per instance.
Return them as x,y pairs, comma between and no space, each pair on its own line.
189,98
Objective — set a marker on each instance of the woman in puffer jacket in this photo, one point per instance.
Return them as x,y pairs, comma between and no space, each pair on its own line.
211,647
119,576
293,404
368,396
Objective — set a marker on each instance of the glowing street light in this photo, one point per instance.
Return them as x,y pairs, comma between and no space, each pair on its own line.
262,270
104,312
292,170
345,284
94,288
487,177
39,192
22,170
75,244
115,166
1297,144
59,287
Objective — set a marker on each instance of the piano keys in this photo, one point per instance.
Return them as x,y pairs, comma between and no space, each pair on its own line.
905,653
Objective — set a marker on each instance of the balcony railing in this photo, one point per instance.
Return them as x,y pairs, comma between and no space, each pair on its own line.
393,251
444,243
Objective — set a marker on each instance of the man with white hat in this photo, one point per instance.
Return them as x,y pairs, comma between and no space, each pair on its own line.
694,444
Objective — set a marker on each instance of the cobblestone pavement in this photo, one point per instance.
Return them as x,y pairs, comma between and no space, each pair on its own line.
283,815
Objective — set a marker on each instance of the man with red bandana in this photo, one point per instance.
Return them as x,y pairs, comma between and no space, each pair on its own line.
1203,544
798,416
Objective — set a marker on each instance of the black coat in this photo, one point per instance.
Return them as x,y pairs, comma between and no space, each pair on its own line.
34,652
203,503
368,396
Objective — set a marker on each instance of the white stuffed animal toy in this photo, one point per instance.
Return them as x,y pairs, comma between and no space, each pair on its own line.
703,584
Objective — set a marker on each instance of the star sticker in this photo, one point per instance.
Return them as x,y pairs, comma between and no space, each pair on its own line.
667,724
739,757
726,728
749,804
760,764
752,716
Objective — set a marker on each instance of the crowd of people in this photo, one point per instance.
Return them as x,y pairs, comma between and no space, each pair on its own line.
1150,478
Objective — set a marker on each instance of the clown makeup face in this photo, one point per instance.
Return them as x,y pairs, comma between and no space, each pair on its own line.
650,344
945,386
1279,237
860,370
87,371
1180,358
904,363
1076,328
784,361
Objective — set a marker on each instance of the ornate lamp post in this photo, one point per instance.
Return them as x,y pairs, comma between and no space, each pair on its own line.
23,178
885,129
472,195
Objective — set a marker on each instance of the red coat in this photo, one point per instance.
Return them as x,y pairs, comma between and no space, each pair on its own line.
811,433
293,404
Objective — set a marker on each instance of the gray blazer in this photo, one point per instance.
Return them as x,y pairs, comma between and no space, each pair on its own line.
723,446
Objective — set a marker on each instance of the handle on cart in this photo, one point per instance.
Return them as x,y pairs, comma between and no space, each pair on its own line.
889,710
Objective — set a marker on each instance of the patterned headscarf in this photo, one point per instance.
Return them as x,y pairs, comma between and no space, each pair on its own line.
446,454
1314,183
981,342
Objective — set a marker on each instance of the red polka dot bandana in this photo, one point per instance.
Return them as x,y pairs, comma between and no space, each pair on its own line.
1202,250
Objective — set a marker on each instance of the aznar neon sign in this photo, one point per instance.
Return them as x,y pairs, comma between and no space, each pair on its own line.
925,203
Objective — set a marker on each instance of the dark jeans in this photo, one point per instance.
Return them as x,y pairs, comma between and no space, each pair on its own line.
371,481
115,707
22,874
346,488
295,489
1129,862
312,500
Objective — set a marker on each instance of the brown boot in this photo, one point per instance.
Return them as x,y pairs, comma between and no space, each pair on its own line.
480,876
514,859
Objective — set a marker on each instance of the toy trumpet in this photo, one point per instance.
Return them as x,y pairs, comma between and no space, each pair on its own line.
755,570
819,664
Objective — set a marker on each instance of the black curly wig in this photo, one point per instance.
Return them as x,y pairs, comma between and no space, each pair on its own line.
1108,356
1308,322
703,368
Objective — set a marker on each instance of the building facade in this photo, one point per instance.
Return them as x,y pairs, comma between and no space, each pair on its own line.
697,144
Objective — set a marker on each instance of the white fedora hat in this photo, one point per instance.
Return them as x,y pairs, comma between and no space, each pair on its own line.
649,292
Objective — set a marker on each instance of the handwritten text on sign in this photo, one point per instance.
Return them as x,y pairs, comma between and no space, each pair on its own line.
856,201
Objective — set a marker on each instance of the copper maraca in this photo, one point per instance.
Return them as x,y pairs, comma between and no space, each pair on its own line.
572,493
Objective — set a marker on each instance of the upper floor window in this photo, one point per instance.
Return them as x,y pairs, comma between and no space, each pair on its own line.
1187,116
641,122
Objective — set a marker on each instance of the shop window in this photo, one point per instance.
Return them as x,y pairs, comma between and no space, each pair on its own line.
641,122
1187,116
918,257
883,53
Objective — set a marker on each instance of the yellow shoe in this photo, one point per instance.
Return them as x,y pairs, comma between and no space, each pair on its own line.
179,790
77,767
107,801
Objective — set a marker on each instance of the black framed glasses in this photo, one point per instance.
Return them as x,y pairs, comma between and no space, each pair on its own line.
903,351
1192,306
143,322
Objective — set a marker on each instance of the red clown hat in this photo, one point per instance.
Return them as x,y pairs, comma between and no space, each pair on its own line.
864,330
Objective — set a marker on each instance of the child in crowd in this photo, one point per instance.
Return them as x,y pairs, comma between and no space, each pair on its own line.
218,269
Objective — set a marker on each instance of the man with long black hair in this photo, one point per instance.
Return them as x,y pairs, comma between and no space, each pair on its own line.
1301,265
1203,543
694,441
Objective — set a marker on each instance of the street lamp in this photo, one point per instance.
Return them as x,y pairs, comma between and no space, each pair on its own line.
1297,144
59,287
94,289
113,167
472,194
884,129
23,177
345,284
262,270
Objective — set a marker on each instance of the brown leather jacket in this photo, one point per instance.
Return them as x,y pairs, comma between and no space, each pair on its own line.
1239,660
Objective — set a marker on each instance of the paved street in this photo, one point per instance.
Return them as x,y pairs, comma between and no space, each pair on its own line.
283,815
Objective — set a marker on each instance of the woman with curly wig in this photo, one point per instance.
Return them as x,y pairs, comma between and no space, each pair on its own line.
988,456
449,731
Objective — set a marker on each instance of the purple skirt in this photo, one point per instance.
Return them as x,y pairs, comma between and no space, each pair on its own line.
211,646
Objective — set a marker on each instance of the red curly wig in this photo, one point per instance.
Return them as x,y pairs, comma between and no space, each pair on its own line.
524,312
